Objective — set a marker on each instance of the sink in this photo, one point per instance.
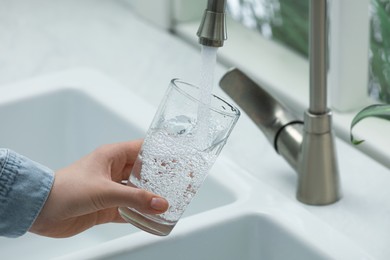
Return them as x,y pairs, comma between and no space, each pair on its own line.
57,119
56,123
58,128
249,237
230,234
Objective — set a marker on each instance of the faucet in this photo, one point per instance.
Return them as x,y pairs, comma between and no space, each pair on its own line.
308,144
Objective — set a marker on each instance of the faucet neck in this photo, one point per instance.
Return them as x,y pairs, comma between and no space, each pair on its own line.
217,6
318,57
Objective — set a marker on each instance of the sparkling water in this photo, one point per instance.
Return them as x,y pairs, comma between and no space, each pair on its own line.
208,62
171,165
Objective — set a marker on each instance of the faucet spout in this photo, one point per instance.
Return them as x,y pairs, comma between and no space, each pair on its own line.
212,29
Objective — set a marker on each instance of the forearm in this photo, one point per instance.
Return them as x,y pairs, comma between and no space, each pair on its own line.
24,188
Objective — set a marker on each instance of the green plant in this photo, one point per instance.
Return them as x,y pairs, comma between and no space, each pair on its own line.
379,66
379,110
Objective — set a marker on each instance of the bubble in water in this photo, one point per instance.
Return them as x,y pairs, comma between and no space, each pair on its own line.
172,168
179,125
208,62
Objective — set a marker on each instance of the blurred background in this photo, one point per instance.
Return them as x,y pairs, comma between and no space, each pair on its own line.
42,36
286,21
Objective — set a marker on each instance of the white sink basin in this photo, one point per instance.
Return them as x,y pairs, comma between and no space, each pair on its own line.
240,230
249,237
57,125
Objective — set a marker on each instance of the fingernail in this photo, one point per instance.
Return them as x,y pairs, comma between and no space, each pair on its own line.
158,204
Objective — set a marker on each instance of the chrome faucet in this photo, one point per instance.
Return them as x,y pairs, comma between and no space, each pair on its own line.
308,145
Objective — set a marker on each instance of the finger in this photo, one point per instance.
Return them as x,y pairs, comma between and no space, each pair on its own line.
120,158
128,149
118,195
110,215
133,147
125,152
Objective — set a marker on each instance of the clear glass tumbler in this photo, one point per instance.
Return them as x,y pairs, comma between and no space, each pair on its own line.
181,145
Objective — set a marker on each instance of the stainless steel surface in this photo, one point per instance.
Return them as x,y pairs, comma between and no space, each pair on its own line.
216,6
318,56
318,180
212,29
267,113
289,142
310,150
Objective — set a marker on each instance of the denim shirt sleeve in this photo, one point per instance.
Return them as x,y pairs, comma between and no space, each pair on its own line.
24,188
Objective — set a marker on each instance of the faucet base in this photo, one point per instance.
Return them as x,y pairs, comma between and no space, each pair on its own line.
318,182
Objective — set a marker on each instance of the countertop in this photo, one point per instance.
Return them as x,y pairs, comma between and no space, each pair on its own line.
40,37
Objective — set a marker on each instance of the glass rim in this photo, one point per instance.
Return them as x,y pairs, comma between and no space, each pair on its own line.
234,111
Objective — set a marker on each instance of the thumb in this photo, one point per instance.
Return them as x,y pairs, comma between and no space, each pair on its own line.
119,195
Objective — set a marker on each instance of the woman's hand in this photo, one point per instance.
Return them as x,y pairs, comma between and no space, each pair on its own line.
89,192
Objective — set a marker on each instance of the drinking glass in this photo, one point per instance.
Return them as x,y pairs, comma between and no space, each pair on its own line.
181,145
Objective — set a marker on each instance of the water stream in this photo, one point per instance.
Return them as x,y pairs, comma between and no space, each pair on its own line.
208,63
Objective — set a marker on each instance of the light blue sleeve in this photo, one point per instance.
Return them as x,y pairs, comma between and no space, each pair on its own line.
24,188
